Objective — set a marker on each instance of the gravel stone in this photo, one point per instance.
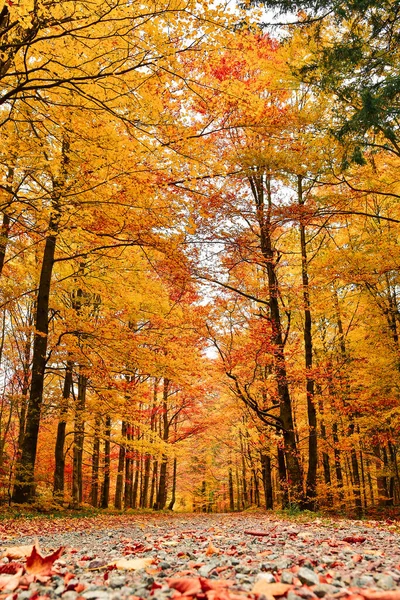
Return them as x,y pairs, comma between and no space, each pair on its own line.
364,581
385,582
324,589
287,577
308,576
268,577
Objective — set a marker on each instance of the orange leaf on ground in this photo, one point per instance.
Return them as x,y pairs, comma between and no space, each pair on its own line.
16,552
271,589
380,595
131,565
214,584
36,564
189,586
212,550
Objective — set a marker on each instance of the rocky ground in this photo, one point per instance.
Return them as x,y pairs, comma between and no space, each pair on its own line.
209,557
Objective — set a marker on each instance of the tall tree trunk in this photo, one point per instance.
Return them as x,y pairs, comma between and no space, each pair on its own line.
128,469
79,437
94,488
25,382
120,475
311,484
231,496
24,488
4,233
154,485
283,477
267,481
105,495
162,486
244,472
59,455
259,185
354,471
337,455
135,483
5,226
325,456
173,498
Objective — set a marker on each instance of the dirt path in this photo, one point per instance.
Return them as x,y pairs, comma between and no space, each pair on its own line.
210,557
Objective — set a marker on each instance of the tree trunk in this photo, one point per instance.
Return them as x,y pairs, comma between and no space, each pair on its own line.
283,484
162,485
154,485
105,496
128,469
59,455
120,475
173,499
79,436
5,226
311,484
267,481
258,185
94,490
25,383
24,488
231,496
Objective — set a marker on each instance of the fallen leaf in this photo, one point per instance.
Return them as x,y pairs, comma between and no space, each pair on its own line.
36,564
188,586
351,539
131,565
9,583
16,552
222,594
271,589
381,595
10,568
212,550
214,584
258,533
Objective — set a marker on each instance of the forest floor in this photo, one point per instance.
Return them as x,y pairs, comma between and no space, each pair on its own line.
202,557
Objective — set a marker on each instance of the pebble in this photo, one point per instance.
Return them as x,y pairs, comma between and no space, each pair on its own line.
385,582
364,581
268,577
307,576
70,595
324,589
287,577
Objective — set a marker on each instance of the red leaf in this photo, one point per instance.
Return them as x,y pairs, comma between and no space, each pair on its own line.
214,584
188,586
11,568
354,539
381,595
36,564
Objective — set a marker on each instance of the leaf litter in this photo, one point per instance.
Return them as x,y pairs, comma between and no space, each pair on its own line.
200,557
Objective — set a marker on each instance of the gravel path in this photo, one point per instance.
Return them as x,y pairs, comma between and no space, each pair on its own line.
330,559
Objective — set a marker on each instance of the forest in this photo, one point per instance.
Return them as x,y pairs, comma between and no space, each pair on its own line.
199,255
